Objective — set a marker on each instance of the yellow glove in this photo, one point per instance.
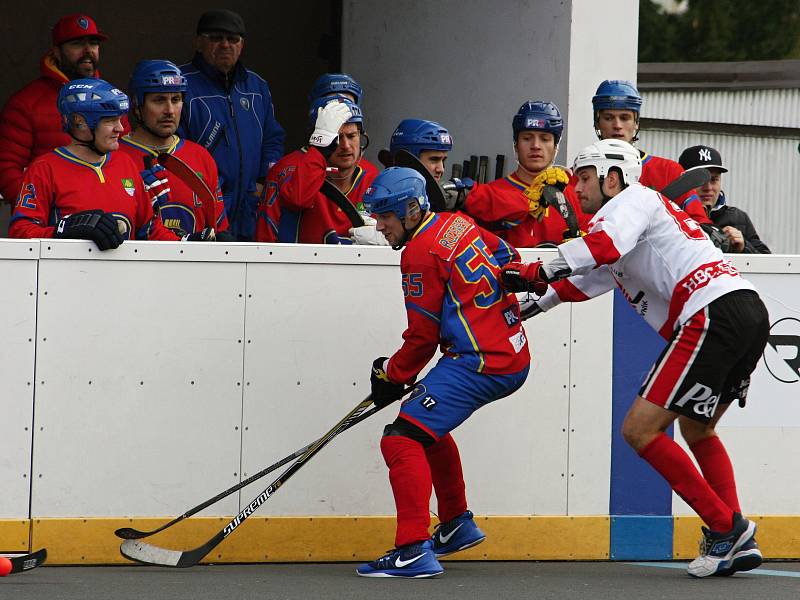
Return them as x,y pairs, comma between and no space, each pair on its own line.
550,176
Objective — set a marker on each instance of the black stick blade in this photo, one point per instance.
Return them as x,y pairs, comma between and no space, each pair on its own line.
26,562
689,180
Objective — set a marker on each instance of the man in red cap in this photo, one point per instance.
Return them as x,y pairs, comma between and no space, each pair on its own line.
30,124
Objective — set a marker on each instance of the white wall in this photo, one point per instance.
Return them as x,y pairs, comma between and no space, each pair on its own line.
470,65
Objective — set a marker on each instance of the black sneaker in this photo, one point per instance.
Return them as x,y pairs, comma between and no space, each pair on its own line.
718,549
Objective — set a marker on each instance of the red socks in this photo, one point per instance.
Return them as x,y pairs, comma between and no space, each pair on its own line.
448,479
410,477
674,465
717,469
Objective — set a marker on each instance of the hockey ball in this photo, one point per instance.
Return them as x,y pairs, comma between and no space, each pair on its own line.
5,566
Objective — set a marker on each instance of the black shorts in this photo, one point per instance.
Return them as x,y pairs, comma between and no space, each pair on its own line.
709,359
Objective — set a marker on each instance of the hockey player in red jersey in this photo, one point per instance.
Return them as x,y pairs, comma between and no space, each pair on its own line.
334,84
715,323
86,190
616,105
513,207
449,272
157,89
293,208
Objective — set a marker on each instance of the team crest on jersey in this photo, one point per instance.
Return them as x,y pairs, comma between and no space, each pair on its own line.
130,188
245,103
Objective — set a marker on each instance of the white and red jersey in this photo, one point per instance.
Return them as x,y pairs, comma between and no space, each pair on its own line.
657,255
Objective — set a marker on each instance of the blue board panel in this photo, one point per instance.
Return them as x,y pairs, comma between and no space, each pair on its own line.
636,488
641,538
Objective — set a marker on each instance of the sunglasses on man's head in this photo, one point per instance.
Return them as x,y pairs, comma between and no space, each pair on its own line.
218,38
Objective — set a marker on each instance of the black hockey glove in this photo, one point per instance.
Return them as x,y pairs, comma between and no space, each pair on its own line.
719,239
95,225
204,235
384,392
225,236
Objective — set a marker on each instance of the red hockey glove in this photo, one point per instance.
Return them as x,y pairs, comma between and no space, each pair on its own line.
522,277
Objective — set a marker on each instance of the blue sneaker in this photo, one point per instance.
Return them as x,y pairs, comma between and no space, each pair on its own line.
719,549
413,561
455,535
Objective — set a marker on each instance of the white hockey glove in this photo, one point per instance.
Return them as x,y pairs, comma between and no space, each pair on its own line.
367,235
330,119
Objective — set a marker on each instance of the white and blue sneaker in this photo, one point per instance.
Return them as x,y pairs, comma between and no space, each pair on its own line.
719,550
455,535
747,558
413,561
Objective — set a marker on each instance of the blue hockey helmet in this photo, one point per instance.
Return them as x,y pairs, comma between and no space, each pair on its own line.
396,190
416,135
355,109
93,99
155,76
539,116
330,84
616,94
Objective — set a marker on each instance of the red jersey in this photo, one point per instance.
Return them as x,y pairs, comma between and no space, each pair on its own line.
183,212
658,172
370,169
504,209
59,184
294,210
450,271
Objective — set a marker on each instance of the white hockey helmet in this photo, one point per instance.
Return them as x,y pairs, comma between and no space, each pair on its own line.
603,155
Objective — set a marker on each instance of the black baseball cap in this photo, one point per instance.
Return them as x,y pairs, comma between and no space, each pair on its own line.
706,157
221,20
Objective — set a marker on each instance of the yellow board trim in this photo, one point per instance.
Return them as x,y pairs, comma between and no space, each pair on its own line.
91,541
320,539
14,534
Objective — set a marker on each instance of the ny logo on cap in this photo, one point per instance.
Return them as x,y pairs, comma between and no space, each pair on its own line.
705,154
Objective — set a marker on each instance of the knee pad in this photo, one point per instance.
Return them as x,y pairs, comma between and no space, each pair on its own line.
408,429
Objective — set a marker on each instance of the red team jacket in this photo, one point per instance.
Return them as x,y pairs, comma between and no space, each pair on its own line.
30,125
502,207
294,210
183,213
658,172
58,184
450,271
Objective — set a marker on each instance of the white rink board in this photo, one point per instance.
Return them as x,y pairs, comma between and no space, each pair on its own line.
17,338
138,403
246,323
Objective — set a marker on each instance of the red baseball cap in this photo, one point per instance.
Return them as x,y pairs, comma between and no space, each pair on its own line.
72,27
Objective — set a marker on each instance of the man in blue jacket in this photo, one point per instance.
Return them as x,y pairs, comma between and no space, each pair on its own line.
228,110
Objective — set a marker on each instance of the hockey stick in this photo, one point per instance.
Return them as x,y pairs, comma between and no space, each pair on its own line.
500,166
154,555
187,175
552,196
685,182
335,195
483,169
404,158
128,533
26,562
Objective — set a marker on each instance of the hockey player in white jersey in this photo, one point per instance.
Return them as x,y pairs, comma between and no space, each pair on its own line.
715,323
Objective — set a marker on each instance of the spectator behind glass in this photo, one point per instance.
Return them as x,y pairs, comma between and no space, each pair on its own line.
734,222
228,110
30,124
